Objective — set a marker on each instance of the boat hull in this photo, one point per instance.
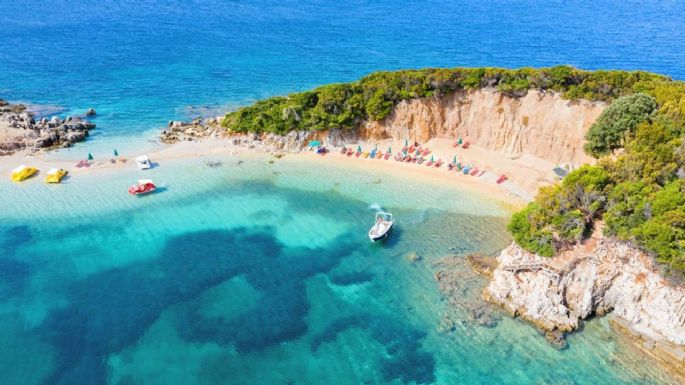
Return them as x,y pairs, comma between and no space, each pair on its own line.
381,237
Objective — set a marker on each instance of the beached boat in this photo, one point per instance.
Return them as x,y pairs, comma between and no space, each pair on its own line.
382,227
144,186
143,162
387,155
22,172
474,171
55,175
438,163
502,178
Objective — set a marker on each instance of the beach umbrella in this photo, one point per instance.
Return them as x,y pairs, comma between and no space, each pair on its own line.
459,141
417,152
389,150
432,159
314,143
406,143
359,148
90,156
115,152
560,171
454,160
375,147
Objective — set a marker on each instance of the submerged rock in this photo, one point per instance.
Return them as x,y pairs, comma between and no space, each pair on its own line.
461,288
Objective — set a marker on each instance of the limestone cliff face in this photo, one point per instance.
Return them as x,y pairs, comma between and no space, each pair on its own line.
611,276
540,124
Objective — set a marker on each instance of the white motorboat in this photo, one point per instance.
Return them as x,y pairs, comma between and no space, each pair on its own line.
382,227
143,162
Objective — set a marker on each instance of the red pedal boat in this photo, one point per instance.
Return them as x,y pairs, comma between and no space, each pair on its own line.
144,186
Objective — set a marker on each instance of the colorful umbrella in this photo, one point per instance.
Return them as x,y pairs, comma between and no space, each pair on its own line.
314,143
90,156
406,142
115,152
459,141
432,158
454,160
417,152
389,150
359,148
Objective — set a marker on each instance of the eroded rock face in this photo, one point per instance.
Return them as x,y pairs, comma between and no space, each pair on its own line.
612,277
188,131
19,130
539,124
294,141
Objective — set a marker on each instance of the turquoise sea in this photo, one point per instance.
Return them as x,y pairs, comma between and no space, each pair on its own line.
258,272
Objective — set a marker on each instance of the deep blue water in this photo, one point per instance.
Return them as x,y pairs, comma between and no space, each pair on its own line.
140,63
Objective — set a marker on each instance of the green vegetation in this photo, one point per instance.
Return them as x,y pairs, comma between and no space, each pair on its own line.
617,122
639,191
374,96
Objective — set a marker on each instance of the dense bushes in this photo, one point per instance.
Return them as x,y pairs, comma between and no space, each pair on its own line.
374,96
618,121
562,214
640,193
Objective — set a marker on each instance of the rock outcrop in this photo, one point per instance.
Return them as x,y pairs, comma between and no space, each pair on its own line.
540,124
178,131
604,276
19,129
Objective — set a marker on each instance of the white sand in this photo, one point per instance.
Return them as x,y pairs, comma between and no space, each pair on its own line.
525,174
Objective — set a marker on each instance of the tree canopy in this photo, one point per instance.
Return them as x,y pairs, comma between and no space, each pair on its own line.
373,97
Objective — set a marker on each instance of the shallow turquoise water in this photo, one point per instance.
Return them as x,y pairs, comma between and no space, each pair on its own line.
261,274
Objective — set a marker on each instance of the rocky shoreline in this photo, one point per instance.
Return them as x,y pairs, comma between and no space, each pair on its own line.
19,129
292,142
602,277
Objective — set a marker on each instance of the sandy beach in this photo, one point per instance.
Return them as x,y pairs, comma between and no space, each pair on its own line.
525,174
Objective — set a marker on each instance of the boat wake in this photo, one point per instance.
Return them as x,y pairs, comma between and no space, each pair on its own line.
375,207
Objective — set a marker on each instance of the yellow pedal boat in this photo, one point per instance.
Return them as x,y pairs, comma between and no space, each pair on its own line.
22,172
55,175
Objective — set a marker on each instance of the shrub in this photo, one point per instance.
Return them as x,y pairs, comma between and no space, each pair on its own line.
618,121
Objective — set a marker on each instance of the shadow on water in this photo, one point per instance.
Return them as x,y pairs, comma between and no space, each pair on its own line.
392,240
111,310
404,358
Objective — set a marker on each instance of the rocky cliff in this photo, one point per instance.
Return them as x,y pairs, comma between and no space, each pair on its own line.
600,277
540,124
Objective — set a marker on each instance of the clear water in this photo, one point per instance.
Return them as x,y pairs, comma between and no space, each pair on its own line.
261,273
